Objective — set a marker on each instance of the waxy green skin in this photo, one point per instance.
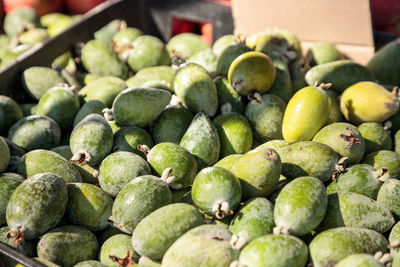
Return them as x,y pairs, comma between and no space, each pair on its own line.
334,135
88,205
99,59
137,199
161,228
94,136
139,106
105,34
308,158
389,196
277,145
123,39
335,115
196,89
33,36
35,132
12,112
384,159
128,139
118,169
324,52
105,234
201,140
222,43
90,263
68,245
15,21
60,104
228,55
104,89
119,246
38,80
341,73
41,161
360,178
13,148
37,205
360,260
147,262
4,155
234,133
207,59
396,140
262,178
186,44
301,206
147,51
282,85
255,218
90,107
331,246
266,117
8,183
228,161
206,245
170,155
228,96
216,185
393,237
25,247
156,77
375,136
171,125
274,251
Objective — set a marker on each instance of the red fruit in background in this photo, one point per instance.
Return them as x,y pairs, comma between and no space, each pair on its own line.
81,6
385,14
206,32
42,6
182,26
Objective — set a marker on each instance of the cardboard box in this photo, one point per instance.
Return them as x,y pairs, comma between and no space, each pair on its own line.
345,23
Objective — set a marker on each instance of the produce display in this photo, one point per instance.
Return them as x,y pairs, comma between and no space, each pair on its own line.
244,153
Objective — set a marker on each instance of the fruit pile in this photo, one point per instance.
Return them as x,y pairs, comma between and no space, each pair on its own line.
244,153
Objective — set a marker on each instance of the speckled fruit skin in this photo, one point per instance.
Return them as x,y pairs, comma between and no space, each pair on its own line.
345,139
384,159
12,112
160,77
186,44
8,183
282,85
376,137
139,106
205,245
324,52
394,237
300,206
222,43
118,246
196,89
266,117
170,155
43,131
306,113
137,199
118,169
261,179
4,155
68,245
335,115
228,161
147,262
37,205
228,55
207,59
26,247
228,96
161,228
38,80
41,161
125,37
89,263
90,107
216,185
94,136
201,140
331,246
389,196
359,260
128,139
277,145
88,205
274,250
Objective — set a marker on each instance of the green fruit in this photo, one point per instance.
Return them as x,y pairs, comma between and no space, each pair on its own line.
171,125
335,115
251,72
88,205
90,263
105,234
376,137
360,260
118,169
282,85
156,77
207,59
139,106
228,161
123,39
97,58
60,25
300,206
341,73
389,196
201,140
181,164
331,246
206,245
146,262
104,89
324,52
234,133
15,21
106,33
42,161
228,98
137,199
274,250
396,139
228,55
161,228
265,116
196,89
4,155
91,140
38,80
49,18
147,51
118,249
47,194
129,138
394,239
90,107
28,109
35,132
222,43
14,149
298,71
216,191
33,36
26,248
186,44
345,139
384,159
8,183
68,245
63,151
277,145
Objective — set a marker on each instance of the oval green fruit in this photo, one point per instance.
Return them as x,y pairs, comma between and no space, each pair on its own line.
376,137
389,196
387,159
8,183
129,138
4,155
38,80
12,112
90,107
360,260
186,44
118,249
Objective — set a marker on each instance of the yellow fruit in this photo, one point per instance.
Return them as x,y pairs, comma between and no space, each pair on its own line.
368,102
